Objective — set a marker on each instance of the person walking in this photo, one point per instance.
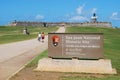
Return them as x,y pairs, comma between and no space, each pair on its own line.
39,36
42,36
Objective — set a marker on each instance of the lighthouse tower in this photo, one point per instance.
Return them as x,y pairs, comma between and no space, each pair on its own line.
94,18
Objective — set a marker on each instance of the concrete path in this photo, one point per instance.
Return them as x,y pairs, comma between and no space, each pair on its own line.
14,56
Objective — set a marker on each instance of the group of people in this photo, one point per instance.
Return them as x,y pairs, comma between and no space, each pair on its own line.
41,36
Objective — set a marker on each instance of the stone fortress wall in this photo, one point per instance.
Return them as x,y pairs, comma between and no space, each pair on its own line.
45,24
92,23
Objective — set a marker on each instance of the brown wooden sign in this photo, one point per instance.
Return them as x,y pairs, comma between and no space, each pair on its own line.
80,45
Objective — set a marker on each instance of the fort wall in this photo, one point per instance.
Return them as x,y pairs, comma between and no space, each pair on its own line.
44,24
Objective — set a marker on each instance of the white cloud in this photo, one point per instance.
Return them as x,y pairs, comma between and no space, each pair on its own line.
79,15
94,10
39,17
78,18
80,9
67,15
115,16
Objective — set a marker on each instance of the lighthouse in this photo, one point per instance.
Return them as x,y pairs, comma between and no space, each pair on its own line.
94,18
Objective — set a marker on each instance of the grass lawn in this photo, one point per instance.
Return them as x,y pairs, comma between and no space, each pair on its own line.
34,62
111,51
12,34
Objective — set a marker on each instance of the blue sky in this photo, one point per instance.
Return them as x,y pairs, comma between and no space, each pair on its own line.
59,10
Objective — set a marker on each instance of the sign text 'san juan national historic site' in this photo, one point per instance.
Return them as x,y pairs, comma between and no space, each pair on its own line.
79,45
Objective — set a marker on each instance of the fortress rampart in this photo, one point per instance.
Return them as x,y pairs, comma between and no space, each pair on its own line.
45,24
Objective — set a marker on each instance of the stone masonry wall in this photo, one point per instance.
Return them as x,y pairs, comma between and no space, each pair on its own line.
93,24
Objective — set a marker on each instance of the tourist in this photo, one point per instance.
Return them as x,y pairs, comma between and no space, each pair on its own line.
24,30
42,36
39,36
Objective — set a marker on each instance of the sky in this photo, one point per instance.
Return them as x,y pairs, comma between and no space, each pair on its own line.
59,11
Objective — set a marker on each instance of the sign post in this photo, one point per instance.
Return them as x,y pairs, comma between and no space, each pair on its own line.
88,47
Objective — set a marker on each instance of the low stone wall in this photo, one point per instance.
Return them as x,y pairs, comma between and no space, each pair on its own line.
81,66
96,24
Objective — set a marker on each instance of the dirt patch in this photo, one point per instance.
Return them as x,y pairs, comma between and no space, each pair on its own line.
30,74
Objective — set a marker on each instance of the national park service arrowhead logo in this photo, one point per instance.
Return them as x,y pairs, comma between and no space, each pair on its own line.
55,40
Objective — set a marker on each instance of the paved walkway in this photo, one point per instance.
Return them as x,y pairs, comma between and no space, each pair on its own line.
14,56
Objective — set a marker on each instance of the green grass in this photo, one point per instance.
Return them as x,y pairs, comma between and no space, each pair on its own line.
13,34
34,62
111,49
91,78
